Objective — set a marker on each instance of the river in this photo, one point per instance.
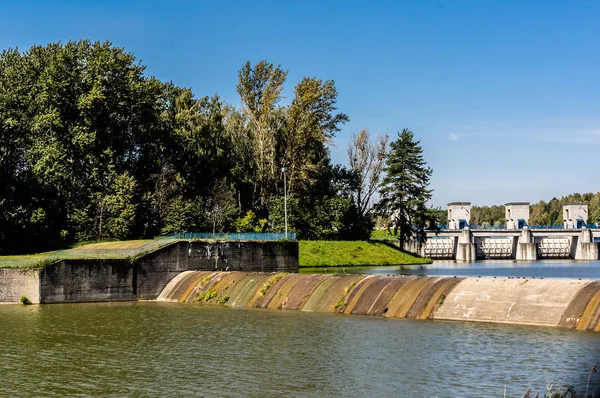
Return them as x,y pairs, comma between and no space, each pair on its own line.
499,268
171,350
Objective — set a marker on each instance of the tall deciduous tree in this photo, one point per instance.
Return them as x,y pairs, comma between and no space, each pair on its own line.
260,89
312,122
405,191
366,162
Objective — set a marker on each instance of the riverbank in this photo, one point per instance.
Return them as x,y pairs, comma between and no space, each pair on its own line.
321,253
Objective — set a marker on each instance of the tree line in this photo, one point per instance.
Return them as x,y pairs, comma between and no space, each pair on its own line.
541,213
93,149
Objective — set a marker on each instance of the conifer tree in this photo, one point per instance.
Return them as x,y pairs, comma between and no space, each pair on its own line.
404,190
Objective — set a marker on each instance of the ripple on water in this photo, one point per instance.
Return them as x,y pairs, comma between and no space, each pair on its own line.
152,349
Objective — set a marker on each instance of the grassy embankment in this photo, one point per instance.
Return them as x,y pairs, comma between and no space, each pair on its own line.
312,253
103,250
353,253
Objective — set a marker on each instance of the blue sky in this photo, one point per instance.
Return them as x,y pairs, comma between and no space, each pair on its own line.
503,95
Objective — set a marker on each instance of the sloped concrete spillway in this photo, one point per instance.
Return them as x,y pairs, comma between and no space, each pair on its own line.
565,303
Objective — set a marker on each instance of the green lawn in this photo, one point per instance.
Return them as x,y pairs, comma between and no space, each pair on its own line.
383,234
104,250
321,253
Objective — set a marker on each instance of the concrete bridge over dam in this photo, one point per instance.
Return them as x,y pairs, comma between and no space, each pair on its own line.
468,245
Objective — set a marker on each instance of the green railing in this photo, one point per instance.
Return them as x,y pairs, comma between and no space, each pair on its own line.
232,236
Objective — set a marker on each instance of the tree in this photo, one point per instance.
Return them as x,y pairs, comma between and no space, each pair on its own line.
260,89
404,190
312,122
366,162
220,207
539,214
594,209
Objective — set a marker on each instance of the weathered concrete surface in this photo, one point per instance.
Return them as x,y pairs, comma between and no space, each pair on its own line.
156,269
142,278
566,303
88,280
517,301
16,282
526,252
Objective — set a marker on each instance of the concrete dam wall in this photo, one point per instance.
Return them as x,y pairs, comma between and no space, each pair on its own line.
566,303
142,278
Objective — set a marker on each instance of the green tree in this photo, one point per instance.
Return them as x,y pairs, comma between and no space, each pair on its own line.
404,190
539,214
312,122
594,209
260,89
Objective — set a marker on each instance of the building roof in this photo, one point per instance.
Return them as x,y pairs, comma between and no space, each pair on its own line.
459,204
517,204
575,204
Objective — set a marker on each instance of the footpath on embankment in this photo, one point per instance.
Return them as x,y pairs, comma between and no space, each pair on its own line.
564,303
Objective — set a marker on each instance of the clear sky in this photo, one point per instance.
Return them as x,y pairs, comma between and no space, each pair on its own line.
503,95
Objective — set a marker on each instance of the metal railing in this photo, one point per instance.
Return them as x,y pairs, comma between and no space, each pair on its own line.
547,226
536,226
487,226
232,236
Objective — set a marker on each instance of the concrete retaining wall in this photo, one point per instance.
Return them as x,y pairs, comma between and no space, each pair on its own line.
16,282
88,280
143,278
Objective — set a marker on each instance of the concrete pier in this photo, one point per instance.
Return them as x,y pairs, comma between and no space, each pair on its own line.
587,249
466,251
526,248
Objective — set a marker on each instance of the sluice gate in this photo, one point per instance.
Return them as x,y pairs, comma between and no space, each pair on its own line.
527,245
565,303
553,247
492,247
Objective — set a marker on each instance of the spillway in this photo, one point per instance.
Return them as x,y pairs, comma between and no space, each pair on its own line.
565,303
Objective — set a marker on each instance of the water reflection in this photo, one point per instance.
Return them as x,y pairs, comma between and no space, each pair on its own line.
172,350
500,268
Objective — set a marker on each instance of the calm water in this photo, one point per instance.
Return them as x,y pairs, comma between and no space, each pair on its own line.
174,350
538,269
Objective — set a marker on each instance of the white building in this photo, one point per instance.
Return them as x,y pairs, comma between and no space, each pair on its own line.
459,215
575,215
517,215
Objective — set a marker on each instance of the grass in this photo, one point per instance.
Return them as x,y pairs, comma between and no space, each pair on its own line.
92,251
353,253
383,234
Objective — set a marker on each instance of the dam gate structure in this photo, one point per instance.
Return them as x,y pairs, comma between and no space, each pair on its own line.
469,245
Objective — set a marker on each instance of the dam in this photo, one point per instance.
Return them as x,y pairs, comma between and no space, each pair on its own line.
560,303
515,240
467,245
264,275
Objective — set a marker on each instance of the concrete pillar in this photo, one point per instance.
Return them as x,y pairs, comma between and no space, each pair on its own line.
526,248
587,249
465,251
